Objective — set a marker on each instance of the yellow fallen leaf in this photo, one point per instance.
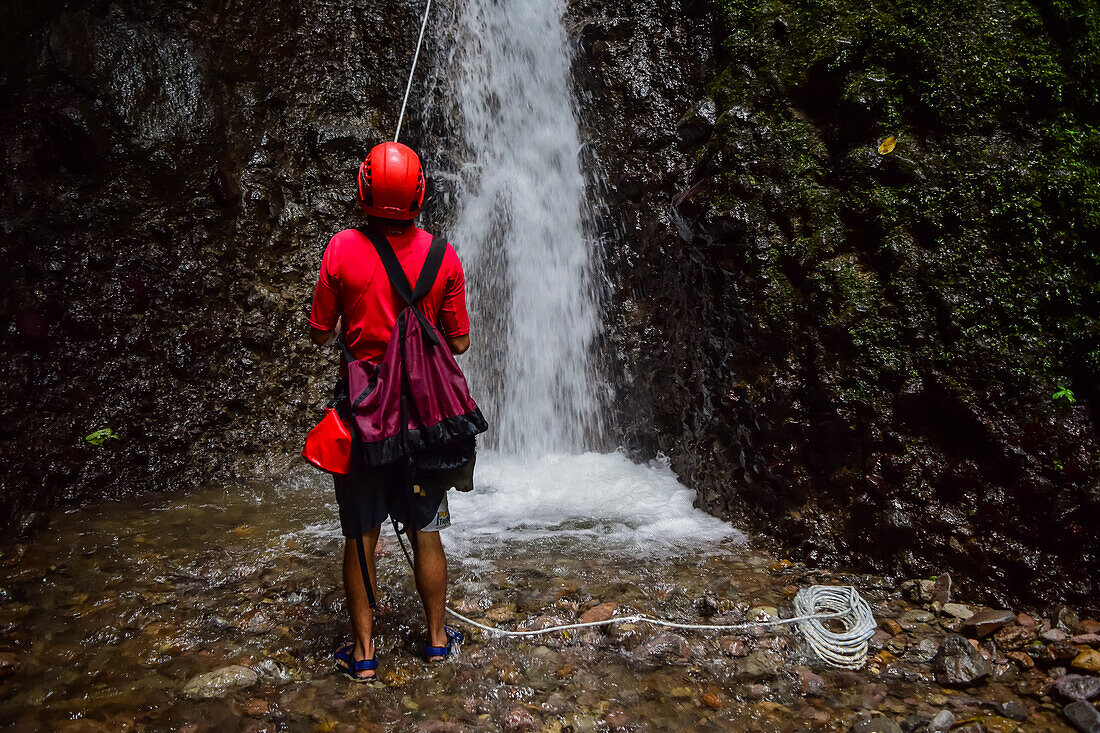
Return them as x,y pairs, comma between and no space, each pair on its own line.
888,145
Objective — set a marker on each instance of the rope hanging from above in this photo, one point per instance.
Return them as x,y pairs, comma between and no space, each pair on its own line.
416,58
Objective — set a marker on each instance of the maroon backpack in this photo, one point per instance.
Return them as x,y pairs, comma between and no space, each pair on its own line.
415,406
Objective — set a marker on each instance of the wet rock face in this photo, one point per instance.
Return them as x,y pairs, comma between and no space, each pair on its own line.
172,175
882,359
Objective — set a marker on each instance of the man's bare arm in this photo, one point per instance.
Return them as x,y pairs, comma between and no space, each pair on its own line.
458,344
325,338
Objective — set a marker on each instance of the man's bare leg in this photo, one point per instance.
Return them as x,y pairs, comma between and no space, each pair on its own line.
430,569
362,619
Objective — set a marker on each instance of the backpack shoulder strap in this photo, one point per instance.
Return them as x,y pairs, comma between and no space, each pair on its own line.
389,259
430,271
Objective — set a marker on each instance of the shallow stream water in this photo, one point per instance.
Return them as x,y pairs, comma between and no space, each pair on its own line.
117,606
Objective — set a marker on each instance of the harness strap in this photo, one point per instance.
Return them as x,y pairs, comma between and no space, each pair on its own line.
430,271
396,273
400,282
344,349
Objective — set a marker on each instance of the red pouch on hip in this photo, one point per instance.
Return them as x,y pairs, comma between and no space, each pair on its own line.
328,446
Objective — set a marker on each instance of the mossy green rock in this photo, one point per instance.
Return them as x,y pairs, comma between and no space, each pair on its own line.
859,351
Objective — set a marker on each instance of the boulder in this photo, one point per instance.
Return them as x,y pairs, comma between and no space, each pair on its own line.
958,663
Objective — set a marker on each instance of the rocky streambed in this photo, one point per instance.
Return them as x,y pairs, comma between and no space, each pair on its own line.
219,611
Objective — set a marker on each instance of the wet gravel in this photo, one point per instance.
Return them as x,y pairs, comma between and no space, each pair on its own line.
115,616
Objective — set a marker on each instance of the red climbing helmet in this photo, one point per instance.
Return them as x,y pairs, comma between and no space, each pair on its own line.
391,182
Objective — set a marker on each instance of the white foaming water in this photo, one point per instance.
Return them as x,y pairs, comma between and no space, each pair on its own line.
519,227
603,500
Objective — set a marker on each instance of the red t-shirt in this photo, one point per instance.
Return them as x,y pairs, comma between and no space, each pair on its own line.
353,284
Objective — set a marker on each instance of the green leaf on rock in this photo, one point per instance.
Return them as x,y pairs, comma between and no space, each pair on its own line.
99,437
1066,394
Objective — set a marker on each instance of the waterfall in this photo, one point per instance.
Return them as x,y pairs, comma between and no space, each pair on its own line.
519,226
505,128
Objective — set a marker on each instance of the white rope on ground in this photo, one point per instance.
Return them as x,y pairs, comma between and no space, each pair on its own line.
416,58
847,649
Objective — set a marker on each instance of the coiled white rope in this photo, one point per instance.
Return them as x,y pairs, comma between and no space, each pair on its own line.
847,649
416,57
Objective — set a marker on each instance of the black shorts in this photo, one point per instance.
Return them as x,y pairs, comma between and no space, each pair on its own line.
369,496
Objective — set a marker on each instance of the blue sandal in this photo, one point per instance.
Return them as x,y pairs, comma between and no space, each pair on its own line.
352,668
454,637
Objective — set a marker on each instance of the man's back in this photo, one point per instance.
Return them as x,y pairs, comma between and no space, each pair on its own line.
353,284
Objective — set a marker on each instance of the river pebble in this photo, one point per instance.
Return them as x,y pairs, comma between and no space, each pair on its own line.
602,612
1088,660
958,610
1088,626
988,621
941,721
1083,715
1077,687
9,664
666,648
761,664
274,671
219,682
877,725
957,662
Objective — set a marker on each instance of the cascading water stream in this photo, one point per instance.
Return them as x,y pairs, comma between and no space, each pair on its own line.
518,221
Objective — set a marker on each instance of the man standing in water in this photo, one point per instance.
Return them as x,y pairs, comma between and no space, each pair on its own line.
354,299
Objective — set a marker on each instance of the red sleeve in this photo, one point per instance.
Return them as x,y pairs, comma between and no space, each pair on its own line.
453,318
326,304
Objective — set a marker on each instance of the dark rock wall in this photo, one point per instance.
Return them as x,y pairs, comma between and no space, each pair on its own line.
172,173
865,355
